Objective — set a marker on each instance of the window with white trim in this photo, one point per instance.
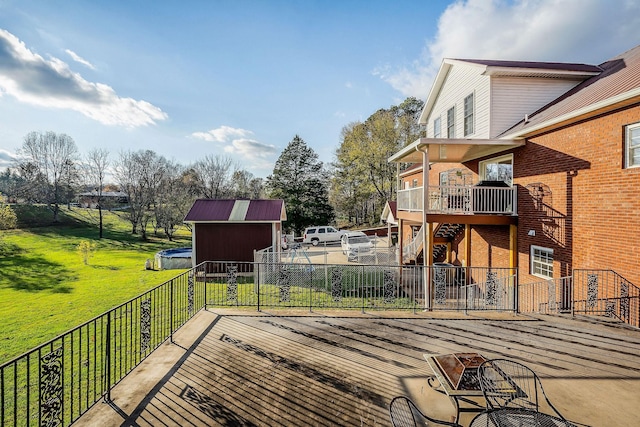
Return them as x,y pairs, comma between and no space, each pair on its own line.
542,262
436,128
451,122
632,146
497,169
468,115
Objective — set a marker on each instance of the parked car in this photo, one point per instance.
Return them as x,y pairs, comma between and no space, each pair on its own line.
321,234
355,244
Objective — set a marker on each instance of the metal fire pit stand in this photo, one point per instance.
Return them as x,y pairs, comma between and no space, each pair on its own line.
457,376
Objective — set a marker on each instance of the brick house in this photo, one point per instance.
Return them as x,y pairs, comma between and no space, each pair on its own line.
532,165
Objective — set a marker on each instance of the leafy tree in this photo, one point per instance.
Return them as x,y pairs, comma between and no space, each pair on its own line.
8,218
300,179
246,186
47,165
11,185
363,180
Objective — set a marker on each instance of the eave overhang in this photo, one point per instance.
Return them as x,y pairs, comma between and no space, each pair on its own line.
449,150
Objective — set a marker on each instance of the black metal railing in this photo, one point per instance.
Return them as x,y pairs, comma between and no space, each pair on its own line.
55,383
606,293
365,287
590,292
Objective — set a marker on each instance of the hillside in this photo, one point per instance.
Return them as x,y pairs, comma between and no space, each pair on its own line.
46,289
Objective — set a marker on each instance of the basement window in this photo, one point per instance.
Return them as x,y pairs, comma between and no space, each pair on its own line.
542,262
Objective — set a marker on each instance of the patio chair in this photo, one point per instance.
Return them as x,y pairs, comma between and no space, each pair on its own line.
404,413
509,384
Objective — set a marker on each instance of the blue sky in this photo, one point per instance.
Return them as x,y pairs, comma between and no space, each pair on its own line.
242,78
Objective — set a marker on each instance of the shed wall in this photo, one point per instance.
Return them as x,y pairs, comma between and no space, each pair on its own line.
230,241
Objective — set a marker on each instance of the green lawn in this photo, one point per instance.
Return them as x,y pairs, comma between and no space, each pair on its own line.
45,288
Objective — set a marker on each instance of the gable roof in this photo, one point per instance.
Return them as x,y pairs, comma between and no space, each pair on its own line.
390,209
232,210
490,67
617,85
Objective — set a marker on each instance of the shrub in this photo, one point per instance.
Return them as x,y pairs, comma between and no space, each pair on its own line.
85,248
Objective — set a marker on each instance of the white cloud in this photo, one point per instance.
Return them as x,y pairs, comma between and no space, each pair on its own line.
80,59
236,142
585,31
222,134
7,159
31,79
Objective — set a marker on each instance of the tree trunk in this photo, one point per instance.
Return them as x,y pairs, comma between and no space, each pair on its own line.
100,215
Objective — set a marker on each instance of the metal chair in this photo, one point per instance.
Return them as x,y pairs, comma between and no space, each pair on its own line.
404,413
509,384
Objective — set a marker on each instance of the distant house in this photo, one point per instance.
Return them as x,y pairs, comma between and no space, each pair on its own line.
230,230
109,199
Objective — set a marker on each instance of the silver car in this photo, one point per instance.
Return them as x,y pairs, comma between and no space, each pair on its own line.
356,244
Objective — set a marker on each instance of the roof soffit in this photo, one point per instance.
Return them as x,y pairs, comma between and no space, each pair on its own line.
444,150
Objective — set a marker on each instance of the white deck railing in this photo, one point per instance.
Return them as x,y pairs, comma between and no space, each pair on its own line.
467,200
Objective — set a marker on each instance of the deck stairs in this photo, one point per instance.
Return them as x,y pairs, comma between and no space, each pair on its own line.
414,248
446,231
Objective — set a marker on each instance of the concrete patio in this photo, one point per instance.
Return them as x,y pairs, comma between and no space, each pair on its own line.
244,368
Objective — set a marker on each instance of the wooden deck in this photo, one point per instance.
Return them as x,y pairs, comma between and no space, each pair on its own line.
243,368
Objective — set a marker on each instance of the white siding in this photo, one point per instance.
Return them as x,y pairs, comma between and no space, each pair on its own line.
513,97
460,82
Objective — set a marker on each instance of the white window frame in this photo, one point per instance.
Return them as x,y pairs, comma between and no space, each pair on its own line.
469,115
482,166
631,144
451,122
543,264
437,127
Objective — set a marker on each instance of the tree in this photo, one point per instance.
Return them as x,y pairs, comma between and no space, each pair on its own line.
173,199
140,175
302,182
363,179
245,186
8,218
214,176
48,166
11,185
96,164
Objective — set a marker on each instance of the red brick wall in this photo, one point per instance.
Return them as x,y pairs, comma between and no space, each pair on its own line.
591,219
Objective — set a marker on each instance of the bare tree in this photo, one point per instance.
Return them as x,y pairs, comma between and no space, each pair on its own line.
48,165
214,176
96,164
140,175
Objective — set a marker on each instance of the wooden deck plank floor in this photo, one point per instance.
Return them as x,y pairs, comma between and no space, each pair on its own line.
241,368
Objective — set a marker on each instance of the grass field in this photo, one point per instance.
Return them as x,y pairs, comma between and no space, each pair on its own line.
46,289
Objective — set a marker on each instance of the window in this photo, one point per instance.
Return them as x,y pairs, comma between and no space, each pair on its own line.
414,183
436,128
497,169
451,122
542,262
468,115
632,146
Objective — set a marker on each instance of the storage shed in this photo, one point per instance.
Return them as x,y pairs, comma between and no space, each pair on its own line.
230,230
